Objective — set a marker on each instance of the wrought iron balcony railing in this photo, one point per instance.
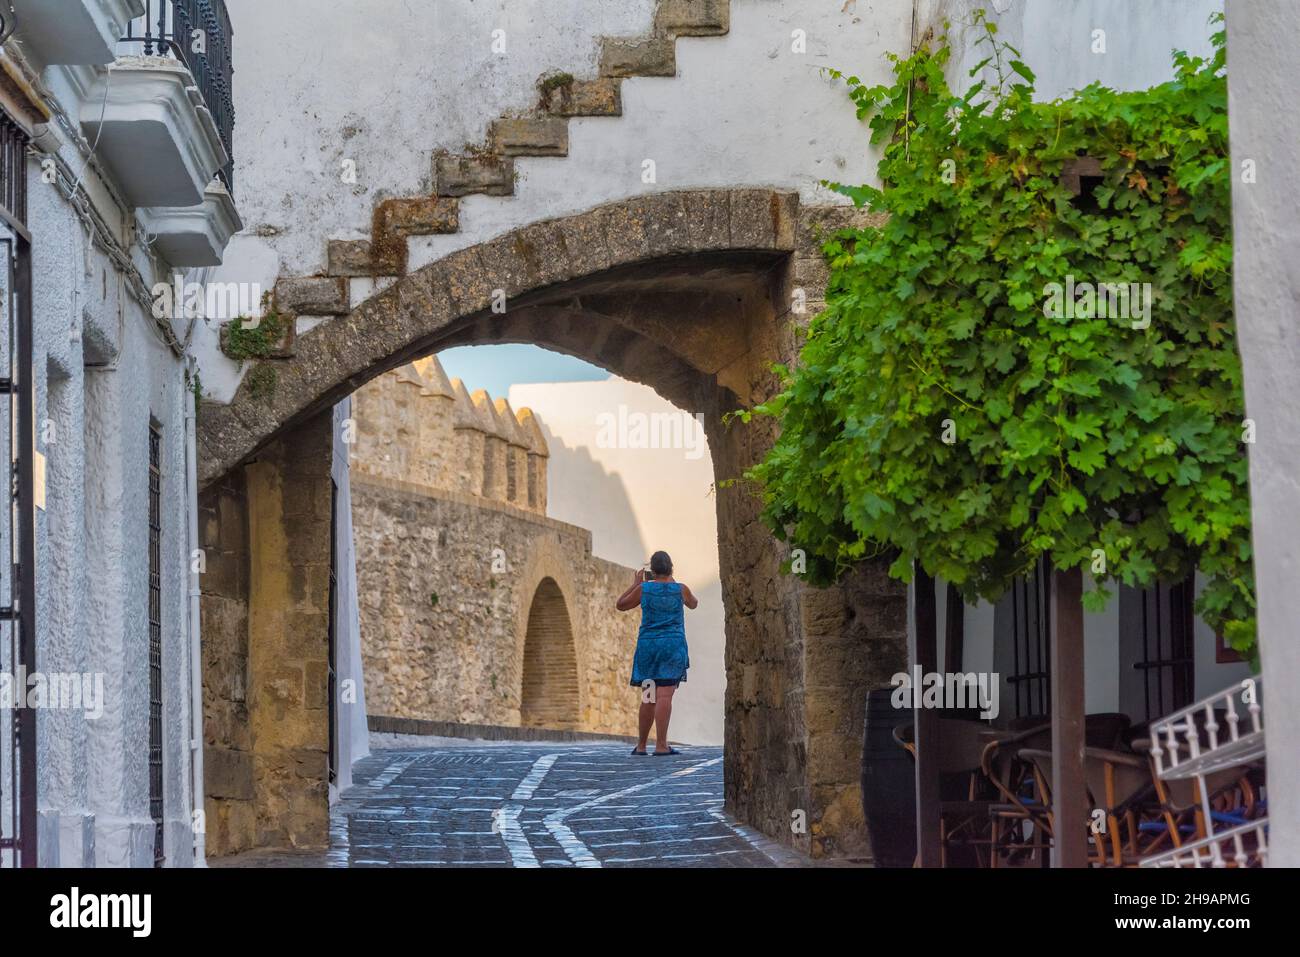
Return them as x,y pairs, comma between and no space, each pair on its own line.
198,33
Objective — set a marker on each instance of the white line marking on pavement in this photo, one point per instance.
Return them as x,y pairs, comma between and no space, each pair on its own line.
577,851
394,770
507,818
534,777
521,852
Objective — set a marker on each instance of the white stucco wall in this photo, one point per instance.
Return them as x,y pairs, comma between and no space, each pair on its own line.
1059,39
353,734
744,109
93,550
637,501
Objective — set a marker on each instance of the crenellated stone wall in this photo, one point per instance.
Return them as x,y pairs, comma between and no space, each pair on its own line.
472,601
413,425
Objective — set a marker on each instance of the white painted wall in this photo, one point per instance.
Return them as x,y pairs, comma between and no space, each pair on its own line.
100,376
92,550
353,733
637,501
1058,37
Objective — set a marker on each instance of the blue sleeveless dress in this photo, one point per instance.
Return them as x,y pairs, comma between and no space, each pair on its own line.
661,644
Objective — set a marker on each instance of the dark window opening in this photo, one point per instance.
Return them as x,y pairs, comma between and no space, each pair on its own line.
1082,176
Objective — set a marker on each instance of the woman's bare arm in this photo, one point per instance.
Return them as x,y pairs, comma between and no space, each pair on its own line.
689,599
632,597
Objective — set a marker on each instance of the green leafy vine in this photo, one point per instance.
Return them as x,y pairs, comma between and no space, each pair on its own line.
978,394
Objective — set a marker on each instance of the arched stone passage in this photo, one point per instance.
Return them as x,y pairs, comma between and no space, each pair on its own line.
548,697
660,289
696,294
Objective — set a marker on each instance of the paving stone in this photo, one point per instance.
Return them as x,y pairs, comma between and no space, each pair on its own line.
595,805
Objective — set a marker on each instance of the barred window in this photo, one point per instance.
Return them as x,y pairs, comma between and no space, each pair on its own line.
13,168
155,643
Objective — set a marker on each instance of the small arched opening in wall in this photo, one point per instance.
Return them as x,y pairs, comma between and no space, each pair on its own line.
549,693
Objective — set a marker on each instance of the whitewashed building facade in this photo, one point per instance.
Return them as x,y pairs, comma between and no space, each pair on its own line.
120,169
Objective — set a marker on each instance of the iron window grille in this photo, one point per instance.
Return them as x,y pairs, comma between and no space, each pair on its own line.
13,168
155,643
1157,649
1028,637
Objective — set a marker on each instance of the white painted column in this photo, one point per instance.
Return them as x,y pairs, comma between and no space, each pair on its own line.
1263,75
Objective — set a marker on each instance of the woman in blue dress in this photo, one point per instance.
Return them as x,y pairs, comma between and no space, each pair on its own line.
661,660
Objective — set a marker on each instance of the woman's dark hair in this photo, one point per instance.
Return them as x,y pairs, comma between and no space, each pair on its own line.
661,564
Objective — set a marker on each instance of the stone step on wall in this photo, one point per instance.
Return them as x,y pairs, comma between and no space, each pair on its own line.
638,56
693,18
544,132
599,97
396,220
460,175
530,136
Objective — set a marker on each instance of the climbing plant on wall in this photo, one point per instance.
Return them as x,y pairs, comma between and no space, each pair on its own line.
1019,362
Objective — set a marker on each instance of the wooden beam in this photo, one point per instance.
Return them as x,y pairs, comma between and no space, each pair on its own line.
926,725
954,631
1069,794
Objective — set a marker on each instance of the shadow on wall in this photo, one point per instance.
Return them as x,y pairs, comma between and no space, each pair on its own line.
589,488
699,721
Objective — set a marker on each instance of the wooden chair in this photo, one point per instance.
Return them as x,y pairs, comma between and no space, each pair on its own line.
1021,806
1027,804
1122,786
964,801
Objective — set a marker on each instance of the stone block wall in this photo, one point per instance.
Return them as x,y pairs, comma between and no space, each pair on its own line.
265,530
290,496
231,817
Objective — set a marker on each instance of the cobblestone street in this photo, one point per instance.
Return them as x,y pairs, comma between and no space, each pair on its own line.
536,805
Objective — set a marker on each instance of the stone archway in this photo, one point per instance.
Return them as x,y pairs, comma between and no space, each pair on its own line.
696,294
548,696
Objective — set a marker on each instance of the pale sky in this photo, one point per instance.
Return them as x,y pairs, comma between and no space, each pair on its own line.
498,367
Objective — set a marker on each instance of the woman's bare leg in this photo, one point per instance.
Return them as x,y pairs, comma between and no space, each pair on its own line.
645,718
663,711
